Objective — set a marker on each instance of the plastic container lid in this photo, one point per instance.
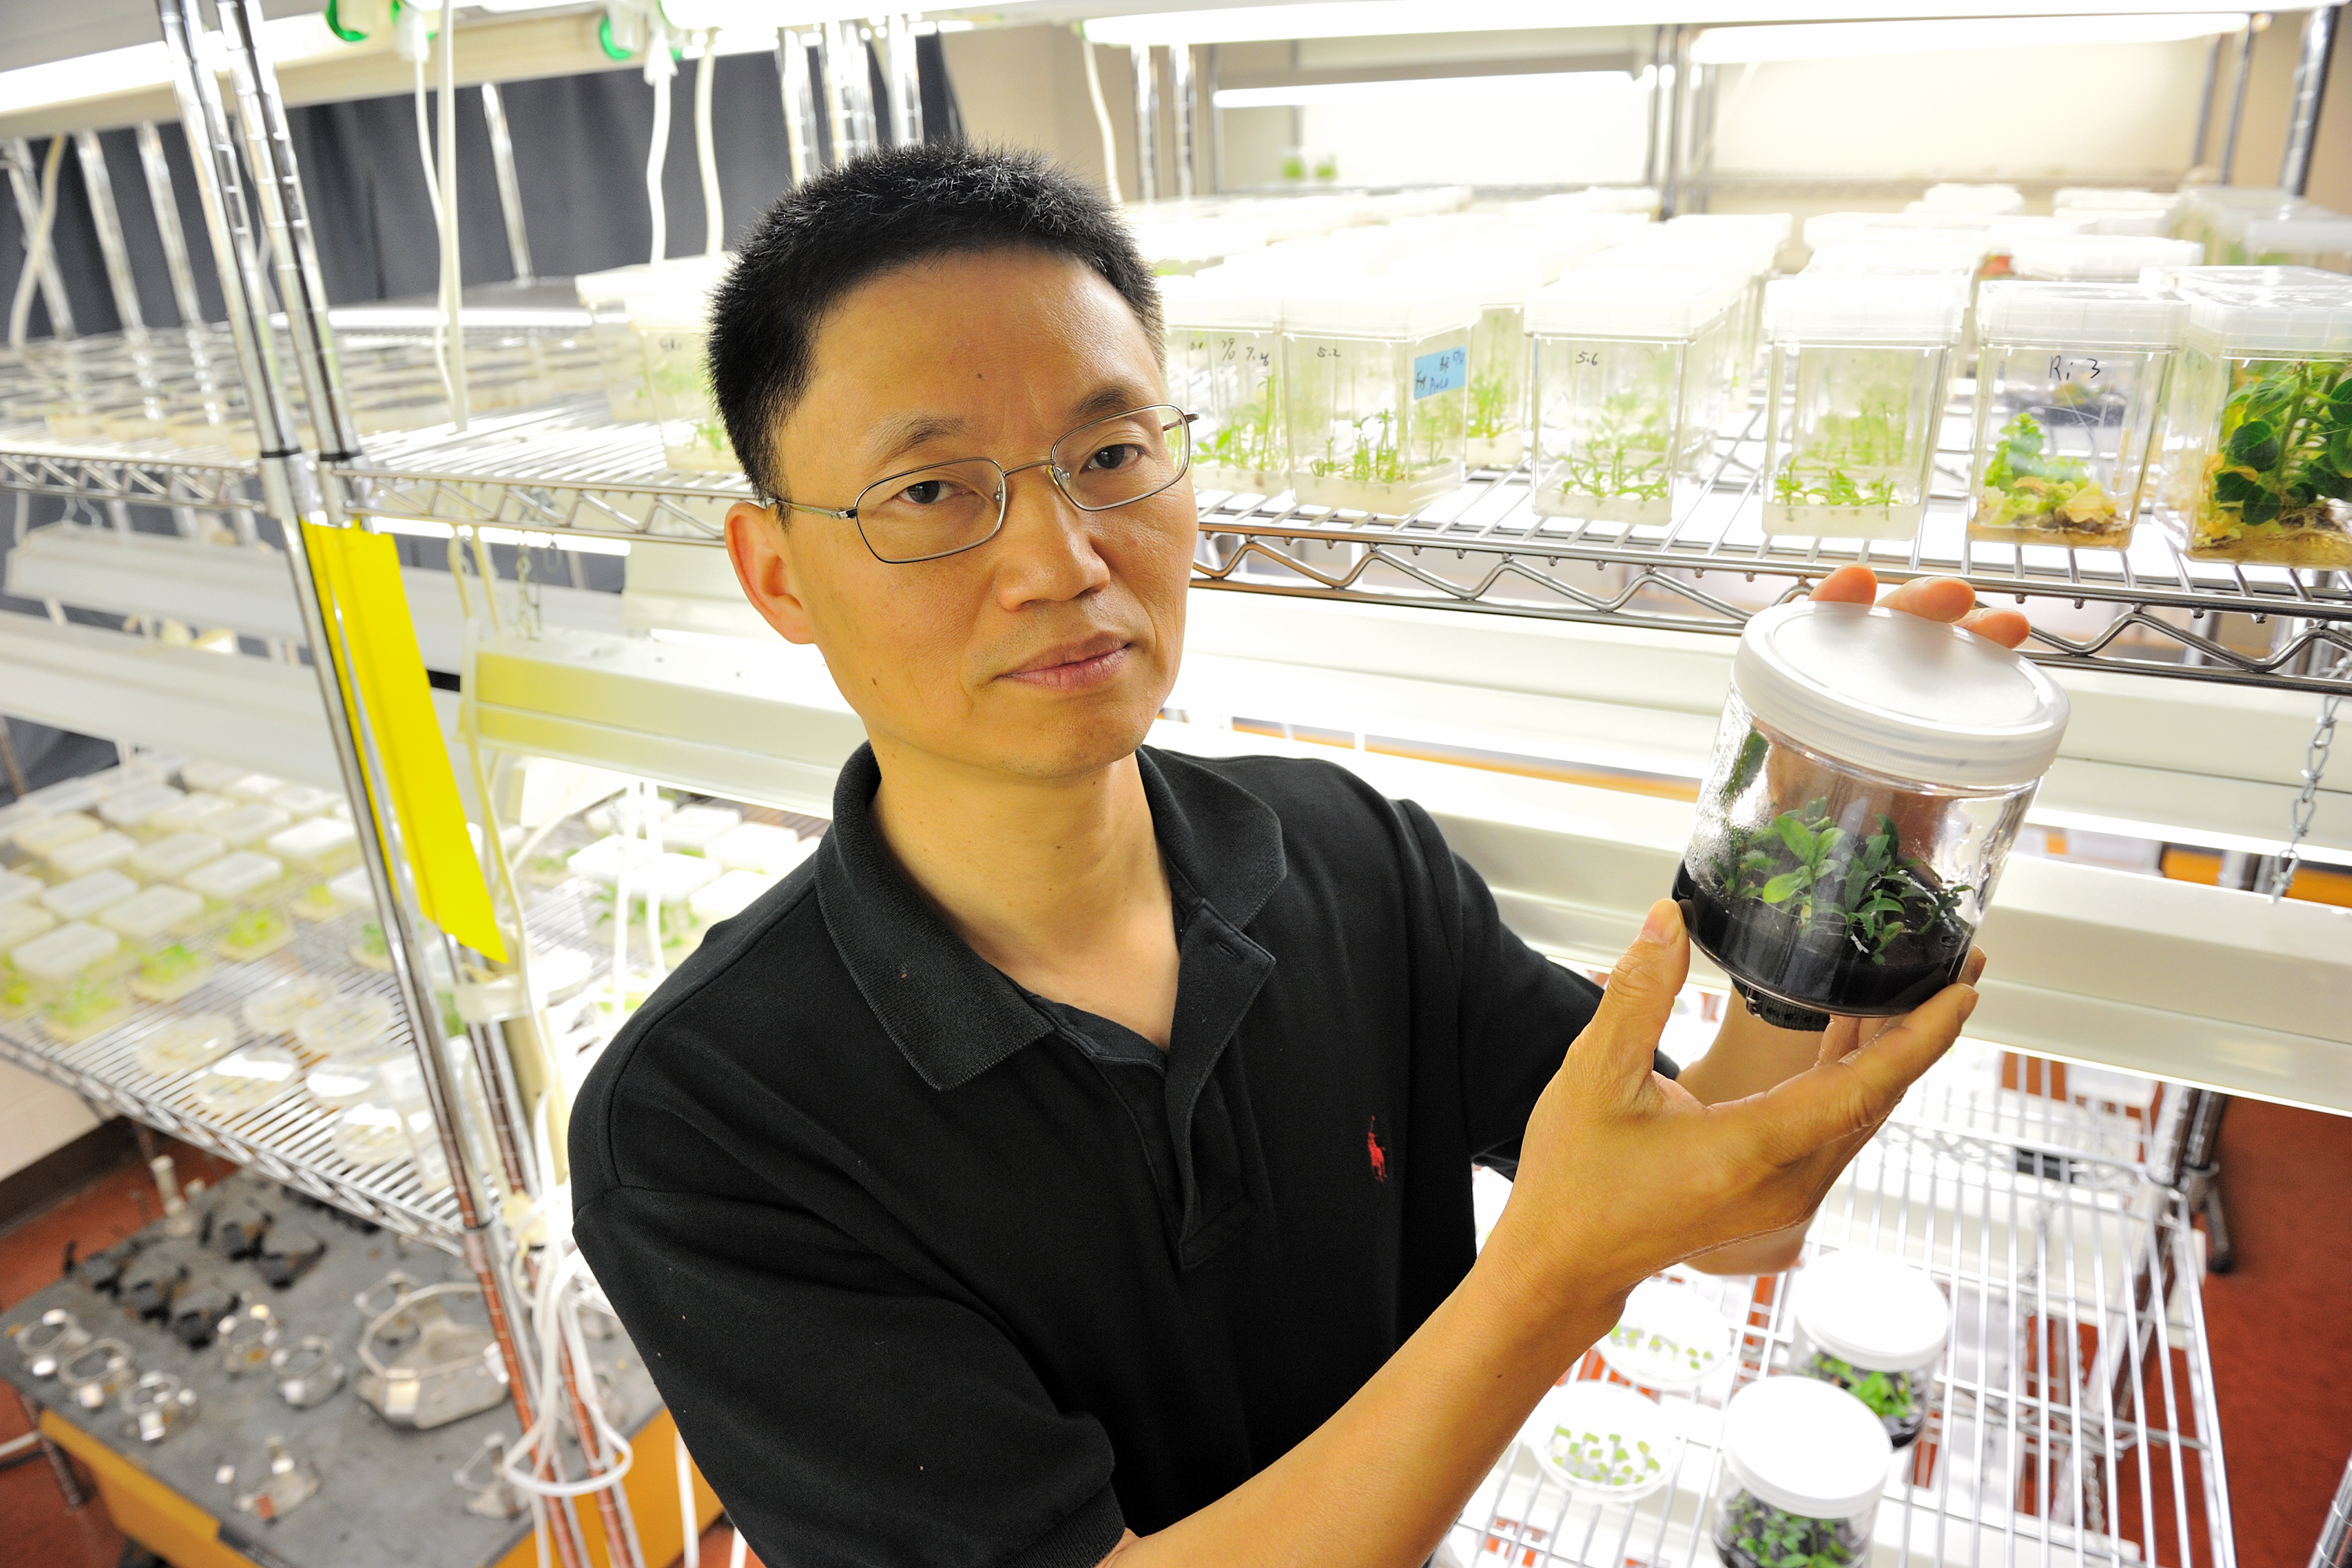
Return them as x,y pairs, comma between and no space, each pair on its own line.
696,825
65,951
253,786
672,878
1860,308
67,795
1393,308
2266,322
347,1023
192,812
757,846
601,861
212,775
1219,300
347,1078
184,1043
2098,257
1603,1440
1807,1447
1898,259
2126,200
273,1009
45,836
2149,222
303,800
2298,236
1900,696
246,825
95,853
2227,282
1497,277
1777,226
169,859
149,914
1611,302
352,890
2080,315
1870,1309
234,876
1953,196
15,887
21,923
1668,1337
23,814
728,895
308,843
85,896
133,807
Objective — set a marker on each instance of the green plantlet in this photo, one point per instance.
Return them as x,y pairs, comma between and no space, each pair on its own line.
1249,440
1752,1533
171,964
2026,489
254,927
1891,1395
2278,484
1622,455
1373,459
85,1003
1873,437
1490,406
1840,887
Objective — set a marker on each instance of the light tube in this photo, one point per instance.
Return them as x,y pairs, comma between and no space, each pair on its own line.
111,73
430,528
1377,18
1836,40
1311,95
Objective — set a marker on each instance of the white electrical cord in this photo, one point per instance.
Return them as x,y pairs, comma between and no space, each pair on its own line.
693,1558
659,70
432,200
650,820
714,224
37,246
453,284
740,1551
1102,113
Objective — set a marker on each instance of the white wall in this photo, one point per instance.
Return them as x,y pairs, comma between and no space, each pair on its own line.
36,1117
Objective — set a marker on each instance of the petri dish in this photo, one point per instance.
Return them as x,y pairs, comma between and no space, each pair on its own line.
370,1133
1667,1338
273,1009
348,1023
183,1045
245,1078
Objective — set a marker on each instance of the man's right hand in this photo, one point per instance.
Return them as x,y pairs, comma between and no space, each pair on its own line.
1622,1172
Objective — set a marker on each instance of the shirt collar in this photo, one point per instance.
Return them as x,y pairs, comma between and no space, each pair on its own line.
951,1013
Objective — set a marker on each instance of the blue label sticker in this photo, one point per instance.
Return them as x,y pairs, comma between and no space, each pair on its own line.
1441,372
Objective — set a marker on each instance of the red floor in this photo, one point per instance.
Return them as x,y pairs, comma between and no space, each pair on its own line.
2281,1352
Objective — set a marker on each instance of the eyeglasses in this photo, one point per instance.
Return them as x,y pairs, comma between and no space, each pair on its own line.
948,508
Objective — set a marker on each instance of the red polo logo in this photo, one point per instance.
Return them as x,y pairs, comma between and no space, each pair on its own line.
1379,1156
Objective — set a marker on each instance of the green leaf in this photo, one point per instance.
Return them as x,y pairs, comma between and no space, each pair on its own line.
1787,886
2262,509
2233,488
2255,446
1743,771
2339,448
1794,833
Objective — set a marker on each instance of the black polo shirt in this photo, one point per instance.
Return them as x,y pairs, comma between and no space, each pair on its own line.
934,1270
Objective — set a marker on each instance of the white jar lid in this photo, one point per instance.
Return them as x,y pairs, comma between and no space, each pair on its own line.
1393,308
2080,315
21,922
1900,696
1661,302
1807,1447
1864,307
169,859
2098,257
233,876
148,915
95,853
65,951
85,896
1874,1311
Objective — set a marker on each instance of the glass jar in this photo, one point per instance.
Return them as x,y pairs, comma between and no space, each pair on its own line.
1629,384
674,335
1376,394
1223,356
1875,1326
1804,1466
2069,380
1854,401
2258,430
1871,773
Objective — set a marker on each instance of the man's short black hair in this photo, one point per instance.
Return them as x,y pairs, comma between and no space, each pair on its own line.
876,213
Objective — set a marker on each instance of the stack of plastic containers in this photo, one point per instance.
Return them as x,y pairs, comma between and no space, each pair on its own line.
1223,357
2109,211
1854,390
1376,392
2097,257
2257,462
2289,235
2069,378
620,361
1630,385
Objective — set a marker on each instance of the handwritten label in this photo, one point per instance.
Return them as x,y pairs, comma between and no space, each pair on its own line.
2061,368
1441,372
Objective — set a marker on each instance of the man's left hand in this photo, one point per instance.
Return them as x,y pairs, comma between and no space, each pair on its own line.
1946,599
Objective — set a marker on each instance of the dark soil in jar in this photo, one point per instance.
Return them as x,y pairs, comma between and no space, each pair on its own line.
1899,1399
1751,1533
1841,923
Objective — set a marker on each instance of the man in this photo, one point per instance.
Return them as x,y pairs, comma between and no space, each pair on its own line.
1071,1162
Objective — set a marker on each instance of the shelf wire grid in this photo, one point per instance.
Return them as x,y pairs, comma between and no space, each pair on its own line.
290,1138
2070,1420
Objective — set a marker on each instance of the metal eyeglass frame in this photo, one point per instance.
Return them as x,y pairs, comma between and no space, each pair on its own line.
1003,486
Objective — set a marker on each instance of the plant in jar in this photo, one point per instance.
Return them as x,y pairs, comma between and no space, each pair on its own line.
2279,483
1373,457
1622,455
252,933
2028,489
1843,446
1246,438
1898,1398
1661,1350
1752,1533
165,971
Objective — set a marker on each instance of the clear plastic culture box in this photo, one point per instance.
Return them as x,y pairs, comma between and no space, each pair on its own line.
163,924
1874,1325
241,890
1376,394
1870,775
1501,277
1223,354
1804,1465
2257,461
75,979
1630,383
1854,390
673,336
2070,378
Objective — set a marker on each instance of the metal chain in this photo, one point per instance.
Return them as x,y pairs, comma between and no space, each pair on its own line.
2306,802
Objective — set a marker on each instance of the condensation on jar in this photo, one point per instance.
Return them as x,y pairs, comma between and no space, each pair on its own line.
1804,1466
1875,1326
1870,775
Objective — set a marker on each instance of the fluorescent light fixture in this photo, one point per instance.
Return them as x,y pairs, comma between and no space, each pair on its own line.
1377,18
432,528
1837,40
1322,94
111,73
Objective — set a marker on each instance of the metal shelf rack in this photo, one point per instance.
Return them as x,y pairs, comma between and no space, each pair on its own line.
2072,1418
